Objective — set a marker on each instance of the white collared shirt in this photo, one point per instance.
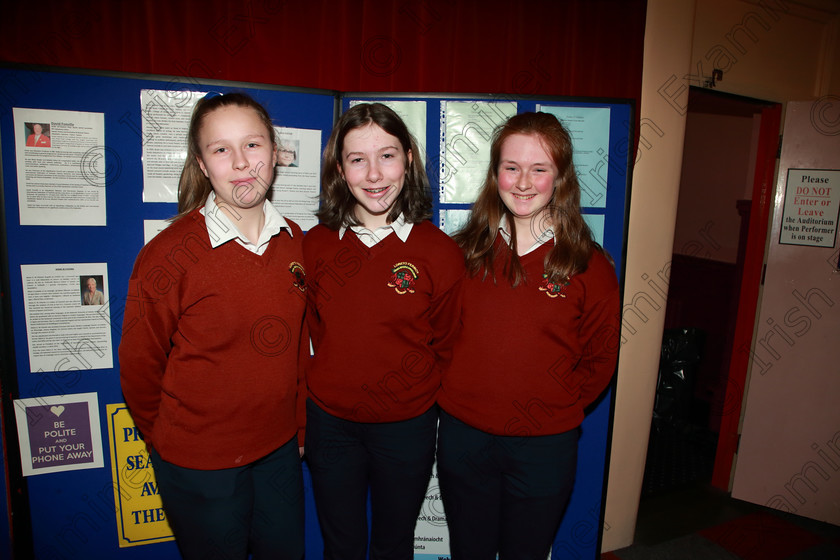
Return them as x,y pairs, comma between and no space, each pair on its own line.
371,237
544,237
222,229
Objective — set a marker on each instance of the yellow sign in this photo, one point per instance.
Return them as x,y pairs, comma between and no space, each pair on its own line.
140,515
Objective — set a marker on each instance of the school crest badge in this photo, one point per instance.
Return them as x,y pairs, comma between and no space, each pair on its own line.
554,289
403,278
299,275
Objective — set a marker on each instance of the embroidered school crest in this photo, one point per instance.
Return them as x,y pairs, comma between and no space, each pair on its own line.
299,274
554,289
403,278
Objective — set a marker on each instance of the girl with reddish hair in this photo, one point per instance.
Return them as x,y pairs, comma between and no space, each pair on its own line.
538,344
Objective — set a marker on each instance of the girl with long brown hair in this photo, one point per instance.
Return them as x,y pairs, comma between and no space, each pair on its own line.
384,307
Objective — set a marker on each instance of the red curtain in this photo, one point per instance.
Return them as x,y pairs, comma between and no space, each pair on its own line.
590,48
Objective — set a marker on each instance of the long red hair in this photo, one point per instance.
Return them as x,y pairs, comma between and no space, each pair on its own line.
573,240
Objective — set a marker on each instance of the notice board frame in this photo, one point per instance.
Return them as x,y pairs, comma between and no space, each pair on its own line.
51,502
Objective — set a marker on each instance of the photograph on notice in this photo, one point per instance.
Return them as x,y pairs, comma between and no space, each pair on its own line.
37,135
287,152
92,293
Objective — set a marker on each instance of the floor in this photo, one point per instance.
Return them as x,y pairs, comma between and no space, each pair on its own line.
681,517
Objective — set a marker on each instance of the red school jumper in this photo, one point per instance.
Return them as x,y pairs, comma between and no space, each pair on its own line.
211,349
382,321
530,359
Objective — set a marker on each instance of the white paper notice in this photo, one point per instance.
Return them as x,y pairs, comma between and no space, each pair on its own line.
166,122
153,227
812,208
466,131
431,536
68,323
62,165
297,177
452,220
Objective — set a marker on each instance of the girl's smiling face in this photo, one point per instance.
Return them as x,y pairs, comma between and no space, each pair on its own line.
527,177
238,157
373,163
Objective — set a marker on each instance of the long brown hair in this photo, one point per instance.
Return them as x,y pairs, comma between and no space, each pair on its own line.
573,240
194,186
337,202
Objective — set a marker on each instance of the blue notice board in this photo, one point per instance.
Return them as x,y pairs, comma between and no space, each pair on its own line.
71,513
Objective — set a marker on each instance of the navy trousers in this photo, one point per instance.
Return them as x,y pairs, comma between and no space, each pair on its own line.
392,460
225,514
503,494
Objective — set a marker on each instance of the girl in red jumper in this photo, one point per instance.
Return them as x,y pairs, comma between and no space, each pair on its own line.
384,304
538,344
211,346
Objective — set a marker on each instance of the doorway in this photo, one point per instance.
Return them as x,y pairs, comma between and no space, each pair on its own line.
723,151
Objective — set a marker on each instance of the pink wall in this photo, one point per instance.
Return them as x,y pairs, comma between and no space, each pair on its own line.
716,172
